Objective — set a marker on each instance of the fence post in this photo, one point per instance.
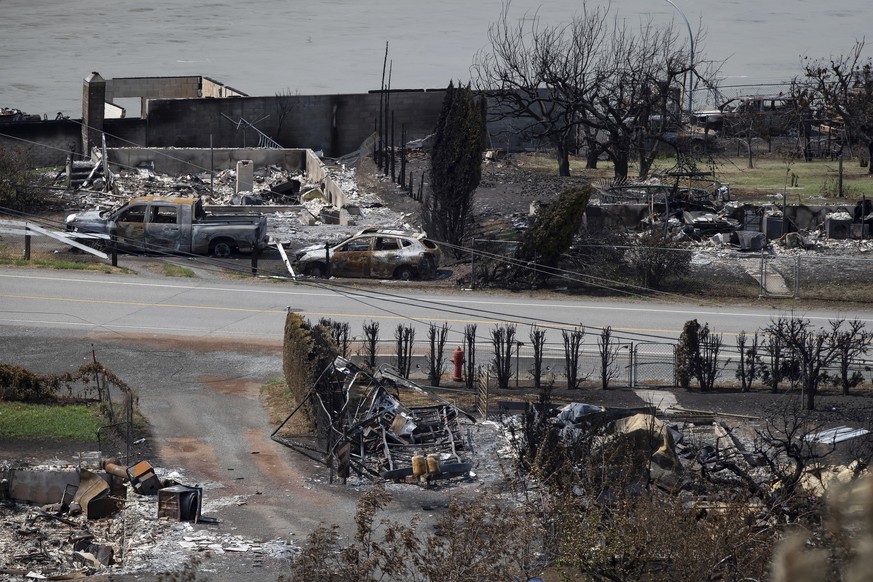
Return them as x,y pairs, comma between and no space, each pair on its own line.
482,381
797,277
632,374
762,276
472,264
26,242
255,253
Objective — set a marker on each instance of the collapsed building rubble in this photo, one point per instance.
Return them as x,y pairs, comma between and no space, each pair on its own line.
672,448
707,215
70,522
297,208
361,426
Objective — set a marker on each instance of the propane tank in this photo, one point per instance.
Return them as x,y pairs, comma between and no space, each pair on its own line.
433,465
419,466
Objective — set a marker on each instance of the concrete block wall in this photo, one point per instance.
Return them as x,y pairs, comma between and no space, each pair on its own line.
153,87
317,172
47,142
122,133
191,122
212,88
146,88
335,124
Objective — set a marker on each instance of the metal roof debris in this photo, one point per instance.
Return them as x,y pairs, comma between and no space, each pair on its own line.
835,435
372,432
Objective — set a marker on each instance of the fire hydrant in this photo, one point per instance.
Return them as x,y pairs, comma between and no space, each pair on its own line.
458,361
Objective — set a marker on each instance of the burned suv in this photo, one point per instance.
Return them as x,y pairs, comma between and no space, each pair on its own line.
373,253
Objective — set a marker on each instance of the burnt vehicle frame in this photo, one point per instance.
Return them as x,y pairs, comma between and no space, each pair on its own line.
373,252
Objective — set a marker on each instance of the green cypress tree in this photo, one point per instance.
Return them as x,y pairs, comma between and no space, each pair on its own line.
456,166
553,230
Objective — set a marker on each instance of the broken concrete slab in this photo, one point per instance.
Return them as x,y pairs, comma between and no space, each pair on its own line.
345,218
751,241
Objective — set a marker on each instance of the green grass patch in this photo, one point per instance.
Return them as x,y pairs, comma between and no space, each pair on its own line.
61,264
802,182
177,271
812,179
20,420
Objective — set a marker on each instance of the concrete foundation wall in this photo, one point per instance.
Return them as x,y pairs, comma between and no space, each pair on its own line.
316,172
176,161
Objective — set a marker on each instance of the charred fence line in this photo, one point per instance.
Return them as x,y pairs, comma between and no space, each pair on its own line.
784,269
635,364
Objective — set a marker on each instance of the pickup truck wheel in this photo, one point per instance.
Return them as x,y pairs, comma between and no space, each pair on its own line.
222,248
404,273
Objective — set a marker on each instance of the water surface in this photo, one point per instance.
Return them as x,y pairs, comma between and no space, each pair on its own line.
264,47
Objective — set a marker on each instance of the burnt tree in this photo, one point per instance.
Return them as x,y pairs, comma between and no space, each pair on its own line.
843,85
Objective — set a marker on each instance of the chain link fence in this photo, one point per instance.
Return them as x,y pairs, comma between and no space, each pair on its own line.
708,270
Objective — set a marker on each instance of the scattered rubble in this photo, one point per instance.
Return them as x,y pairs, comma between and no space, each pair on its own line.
294,205
298,213
373,433
124,520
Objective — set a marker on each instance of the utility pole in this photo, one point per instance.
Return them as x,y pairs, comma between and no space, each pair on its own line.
690,85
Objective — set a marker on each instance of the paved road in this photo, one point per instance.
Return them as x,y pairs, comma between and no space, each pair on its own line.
241,309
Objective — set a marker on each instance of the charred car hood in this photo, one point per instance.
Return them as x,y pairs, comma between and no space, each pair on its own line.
88,221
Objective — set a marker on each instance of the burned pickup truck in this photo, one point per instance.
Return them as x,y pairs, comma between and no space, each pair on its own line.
172,223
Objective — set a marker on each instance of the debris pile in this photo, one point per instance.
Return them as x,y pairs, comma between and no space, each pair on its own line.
367,429
295,206
69,522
